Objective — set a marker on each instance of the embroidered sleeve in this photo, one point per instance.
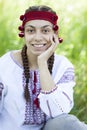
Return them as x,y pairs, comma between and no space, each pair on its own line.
60,100
67,76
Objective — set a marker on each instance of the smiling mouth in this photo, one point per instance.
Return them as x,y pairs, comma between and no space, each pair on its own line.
38,45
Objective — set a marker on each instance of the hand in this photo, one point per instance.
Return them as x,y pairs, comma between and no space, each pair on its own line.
45,55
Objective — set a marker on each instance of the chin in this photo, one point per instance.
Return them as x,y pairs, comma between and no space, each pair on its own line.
38,53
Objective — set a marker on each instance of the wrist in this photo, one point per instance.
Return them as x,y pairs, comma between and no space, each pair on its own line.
42,65
41,62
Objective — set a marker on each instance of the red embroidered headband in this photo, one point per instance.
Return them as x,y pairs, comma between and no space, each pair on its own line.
44,15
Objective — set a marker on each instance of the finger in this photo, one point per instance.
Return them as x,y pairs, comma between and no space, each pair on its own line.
56,39
52,40
53,45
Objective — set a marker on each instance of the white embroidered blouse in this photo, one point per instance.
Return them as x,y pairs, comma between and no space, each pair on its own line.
15,113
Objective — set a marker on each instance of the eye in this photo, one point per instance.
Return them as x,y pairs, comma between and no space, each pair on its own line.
30,31
45,31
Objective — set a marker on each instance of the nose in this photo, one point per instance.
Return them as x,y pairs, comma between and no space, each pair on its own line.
38,36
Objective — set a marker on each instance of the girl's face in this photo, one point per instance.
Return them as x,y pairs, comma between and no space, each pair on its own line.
37,36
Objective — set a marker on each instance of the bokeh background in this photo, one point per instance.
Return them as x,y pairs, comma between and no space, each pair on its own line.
72,28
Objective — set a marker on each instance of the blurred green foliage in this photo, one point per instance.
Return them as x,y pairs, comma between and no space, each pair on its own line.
72,28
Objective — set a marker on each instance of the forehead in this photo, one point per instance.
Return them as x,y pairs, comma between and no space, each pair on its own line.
38,23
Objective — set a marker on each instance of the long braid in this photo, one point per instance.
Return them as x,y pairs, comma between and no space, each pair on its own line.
26,71
50,63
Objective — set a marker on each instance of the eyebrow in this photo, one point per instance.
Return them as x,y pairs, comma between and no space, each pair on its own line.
41,27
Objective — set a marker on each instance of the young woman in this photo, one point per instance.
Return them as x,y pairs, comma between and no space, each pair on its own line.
36,85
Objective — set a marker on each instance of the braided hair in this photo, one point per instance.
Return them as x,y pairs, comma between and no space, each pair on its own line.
25,57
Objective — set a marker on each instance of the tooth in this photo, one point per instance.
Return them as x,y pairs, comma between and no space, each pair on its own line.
38,45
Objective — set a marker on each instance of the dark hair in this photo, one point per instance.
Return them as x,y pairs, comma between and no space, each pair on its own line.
24,53
40,8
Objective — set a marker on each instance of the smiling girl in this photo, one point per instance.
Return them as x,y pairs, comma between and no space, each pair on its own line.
36,88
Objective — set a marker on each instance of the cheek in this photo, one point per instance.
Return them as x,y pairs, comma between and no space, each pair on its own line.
28,38
48,38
